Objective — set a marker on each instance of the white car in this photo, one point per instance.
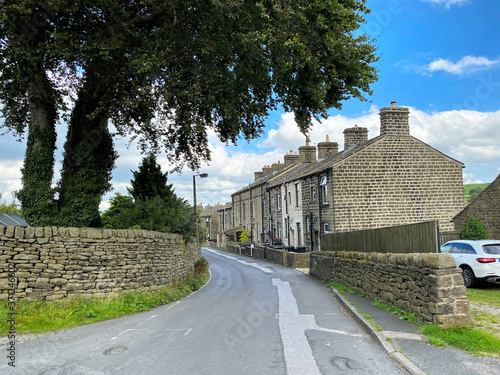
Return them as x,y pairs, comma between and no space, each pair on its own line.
478,259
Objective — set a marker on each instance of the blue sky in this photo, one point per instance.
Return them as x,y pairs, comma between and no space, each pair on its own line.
440,58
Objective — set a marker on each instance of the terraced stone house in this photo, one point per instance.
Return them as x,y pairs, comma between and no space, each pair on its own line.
391,179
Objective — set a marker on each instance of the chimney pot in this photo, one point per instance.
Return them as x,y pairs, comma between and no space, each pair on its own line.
393,103
327,138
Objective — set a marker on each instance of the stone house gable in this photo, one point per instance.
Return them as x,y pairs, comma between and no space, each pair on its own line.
395,180
485,208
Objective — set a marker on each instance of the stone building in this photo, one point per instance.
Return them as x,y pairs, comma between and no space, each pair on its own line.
485,208
391,179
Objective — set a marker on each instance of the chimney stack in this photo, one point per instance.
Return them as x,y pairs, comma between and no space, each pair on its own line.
307,154
327,148
266,171
291,159
394,120
277,166
354,135
258,175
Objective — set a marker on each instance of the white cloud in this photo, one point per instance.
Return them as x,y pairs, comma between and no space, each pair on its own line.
447,3
466,64
469,136
10,179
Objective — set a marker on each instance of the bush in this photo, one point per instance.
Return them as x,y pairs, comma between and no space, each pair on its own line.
473,230
171,215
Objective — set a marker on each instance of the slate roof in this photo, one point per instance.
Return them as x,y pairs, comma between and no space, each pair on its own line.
326,163
13,219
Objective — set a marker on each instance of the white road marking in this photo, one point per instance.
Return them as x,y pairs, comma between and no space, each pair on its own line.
263,269
299,358
180,329
173,304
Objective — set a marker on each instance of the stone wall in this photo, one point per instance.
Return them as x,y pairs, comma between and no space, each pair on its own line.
429,285
286,258
55,263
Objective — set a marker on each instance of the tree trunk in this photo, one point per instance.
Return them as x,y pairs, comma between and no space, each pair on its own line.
37,196
89,158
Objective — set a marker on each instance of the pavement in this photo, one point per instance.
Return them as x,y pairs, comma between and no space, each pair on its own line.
405,344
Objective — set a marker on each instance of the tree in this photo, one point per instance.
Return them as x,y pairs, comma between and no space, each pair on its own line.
474,192
7,208
473,230
164,72
149,181
152,206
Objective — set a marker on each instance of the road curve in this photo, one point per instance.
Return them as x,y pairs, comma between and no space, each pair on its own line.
253,317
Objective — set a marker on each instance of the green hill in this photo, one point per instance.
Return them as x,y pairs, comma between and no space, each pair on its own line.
469,187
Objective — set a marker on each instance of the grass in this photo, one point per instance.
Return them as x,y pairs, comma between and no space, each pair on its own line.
483,340
44,316
468,187
474,341
485,305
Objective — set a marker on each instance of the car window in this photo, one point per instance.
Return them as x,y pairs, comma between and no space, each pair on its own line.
457,248
492,249
467,249
446,248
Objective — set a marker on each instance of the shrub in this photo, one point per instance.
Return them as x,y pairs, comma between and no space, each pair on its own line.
473,230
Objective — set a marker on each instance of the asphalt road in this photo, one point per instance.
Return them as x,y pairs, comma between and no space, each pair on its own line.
253,317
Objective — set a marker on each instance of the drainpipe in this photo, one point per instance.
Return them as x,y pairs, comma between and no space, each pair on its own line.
320,199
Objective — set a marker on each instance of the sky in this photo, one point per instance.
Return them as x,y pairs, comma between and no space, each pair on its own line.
439,58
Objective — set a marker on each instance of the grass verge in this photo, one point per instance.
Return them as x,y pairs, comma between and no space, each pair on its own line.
480,341
44,316
474,341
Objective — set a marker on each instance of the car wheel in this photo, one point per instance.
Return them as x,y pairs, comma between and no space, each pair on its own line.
469,277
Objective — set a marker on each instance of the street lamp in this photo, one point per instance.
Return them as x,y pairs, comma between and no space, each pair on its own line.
201,175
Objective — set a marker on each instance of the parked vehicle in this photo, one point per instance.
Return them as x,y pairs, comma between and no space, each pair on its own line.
479,259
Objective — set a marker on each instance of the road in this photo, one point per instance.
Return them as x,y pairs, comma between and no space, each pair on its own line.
252,317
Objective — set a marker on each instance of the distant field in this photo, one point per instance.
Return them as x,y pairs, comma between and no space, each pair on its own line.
468,187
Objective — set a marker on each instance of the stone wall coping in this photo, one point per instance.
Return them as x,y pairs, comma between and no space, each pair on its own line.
29,232
420,260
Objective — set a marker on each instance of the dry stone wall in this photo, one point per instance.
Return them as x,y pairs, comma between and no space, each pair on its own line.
286,258
429,285
55,263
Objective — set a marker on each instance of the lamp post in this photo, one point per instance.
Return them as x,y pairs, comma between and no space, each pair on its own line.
201,175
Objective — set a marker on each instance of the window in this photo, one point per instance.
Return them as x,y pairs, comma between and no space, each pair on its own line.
308,224
289,197
278,201
491,249
297,195
324,190
299,235
446,248
264,208
244,213
326,228
313,193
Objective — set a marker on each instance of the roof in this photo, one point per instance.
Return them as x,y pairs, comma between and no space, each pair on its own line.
495,181
13,219
330,161
262,180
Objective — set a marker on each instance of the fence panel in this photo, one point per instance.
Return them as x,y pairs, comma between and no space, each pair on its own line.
412,238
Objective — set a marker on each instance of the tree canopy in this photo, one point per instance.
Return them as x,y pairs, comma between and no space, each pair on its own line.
152,206
149,181
163,73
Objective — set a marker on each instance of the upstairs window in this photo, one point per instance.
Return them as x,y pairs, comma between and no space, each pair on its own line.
324,190
297,195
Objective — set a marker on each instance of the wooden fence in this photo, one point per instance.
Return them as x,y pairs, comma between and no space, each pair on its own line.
412,238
